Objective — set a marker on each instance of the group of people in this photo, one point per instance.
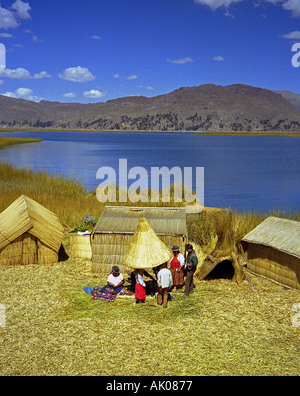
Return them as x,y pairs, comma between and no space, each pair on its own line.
169,276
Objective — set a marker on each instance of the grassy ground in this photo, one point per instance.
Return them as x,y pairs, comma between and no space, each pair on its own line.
53,327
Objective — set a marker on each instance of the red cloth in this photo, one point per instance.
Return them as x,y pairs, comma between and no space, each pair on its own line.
175,263
140,292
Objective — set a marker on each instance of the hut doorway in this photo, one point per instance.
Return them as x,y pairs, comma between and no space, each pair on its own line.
223,270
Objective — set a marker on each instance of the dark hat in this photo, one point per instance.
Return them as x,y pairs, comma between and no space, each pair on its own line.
175,248
188,246
115,269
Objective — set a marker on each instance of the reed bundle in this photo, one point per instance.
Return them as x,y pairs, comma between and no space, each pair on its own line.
80,246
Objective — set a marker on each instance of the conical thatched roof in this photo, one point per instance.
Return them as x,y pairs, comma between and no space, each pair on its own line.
146,249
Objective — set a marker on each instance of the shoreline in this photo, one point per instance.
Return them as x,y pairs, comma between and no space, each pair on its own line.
197,133
42,182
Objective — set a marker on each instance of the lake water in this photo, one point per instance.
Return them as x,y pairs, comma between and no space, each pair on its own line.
241,172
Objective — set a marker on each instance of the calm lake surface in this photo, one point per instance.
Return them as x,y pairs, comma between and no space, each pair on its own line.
241,172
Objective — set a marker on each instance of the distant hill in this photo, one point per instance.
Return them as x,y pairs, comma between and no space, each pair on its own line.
204,108
291,97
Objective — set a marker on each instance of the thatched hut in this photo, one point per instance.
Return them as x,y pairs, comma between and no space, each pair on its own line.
29,234
273,250
114,231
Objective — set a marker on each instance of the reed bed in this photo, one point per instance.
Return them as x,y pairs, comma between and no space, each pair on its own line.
10,141
64,196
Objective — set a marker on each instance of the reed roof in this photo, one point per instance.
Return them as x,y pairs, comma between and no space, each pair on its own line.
281,234
26,215
124,220
146,250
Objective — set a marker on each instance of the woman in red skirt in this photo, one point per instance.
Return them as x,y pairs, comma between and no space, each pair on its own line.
176,265
140,287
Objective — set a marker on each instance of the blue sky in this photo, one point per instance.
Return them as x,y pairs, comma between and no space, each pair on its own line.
96,50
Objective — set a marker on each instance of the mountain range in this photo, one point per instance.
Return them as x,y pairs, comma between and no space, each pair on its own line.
206,107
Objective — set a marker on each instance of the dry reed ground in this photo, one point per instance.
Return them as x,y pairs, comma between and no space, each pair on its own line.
53,328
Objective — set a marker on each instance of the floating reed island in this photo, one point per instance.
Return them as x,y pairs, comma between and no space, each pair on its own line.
53,327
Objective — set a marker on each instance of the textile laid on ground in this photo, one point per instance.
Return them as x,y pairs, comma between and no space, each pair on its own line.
107,292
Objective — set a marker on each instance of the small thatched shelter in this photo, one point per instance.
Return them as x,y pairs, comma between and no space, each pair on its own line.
114,231
223,260
273,250
29,234
146,250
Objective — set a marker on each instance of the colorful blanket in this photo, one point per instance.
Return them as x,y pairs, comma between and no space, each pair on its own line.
107,292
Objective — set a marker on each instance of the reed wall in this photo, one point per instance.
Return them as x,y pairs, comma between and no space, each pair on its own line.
274,264
25,250
110,249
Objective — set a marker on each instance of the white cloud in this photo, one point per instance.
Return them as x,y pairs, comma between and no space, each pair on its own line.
69,95
22,74
117,75
214,4
23,93
218,58
10,19
36,39
291,36
148,87
294,6
95,37
132,77
43,74
6,35
93,94
77,74
290,5
19,73
7,19
180,61
22,9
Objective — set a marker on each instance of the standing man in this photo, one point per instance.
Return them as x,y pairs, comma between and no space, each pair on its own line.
190,266
164,282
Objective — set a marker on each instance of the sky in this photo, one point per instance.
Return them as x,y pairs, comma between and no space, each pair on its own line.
92,51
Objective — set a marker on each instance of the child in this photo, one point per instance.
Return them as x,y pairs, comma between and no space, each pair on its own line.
140,287
164,283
